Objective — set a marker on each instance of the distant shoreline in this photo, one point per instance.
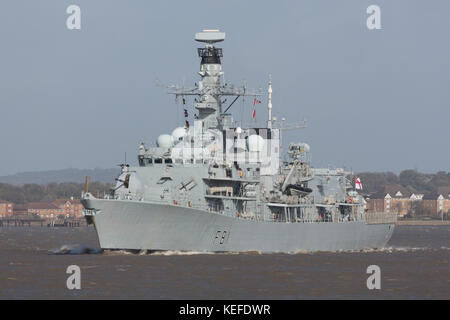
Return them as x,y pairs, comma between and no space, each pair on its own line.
423,223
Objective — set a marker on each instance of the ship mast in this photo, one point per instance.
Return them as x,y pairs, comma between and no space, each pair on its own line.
210,104
269,103
210,88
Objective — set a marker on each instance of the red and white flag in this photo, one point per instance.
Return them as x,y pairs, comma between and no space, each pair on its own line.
254,111
358,184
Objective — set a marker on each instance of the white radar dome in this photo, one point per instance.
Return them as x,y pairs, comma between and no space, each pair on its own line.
305,146
178,133
165,141
255,143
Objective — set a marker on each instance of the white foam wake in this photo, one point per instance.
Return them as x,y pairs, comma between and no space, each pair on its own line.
76,249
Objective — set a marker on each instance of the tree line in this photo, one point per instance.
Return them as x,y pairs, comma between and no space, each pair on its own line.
50,192
377,183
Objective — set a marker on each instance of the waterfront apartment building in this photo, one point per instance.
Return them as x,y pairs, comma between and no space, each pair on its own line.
414,204
43,209
67,208
71,207
6,209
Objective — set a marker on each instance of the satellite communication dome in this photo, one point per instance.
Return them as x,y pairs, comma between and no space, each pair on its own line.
178,133
305,146
255,143
165,141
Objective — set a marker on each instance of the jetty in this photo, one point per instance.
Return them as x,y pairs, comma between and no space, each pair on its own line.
36,221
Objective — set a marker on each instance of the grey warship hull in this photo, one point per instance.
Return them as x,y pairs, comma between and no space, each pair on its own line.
131,225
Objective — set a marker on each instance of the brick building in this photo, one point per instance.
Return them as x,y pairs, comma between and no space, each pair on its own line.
375,205
60,207
443,204
71,207
414,204
6,208
43,209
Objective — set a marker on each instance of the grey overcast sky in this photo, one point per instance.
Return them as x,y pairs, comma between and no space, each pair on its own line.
375,100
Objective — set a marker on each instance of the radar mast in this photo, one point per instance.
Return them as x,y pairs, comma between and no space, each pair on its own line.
210,104
210,88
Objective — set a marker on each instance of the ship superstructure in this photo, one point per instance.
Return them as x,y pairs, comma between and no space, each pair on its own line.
219,186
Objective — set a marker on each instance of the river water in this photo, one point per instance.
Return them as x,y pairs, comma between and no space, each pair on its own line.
33,263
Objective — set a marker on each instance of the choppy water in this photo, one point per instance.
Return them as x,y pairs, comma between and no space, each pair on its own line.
33,263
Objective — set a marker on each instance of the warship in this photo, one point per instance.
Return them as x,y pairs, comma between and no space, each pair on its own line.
217,185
